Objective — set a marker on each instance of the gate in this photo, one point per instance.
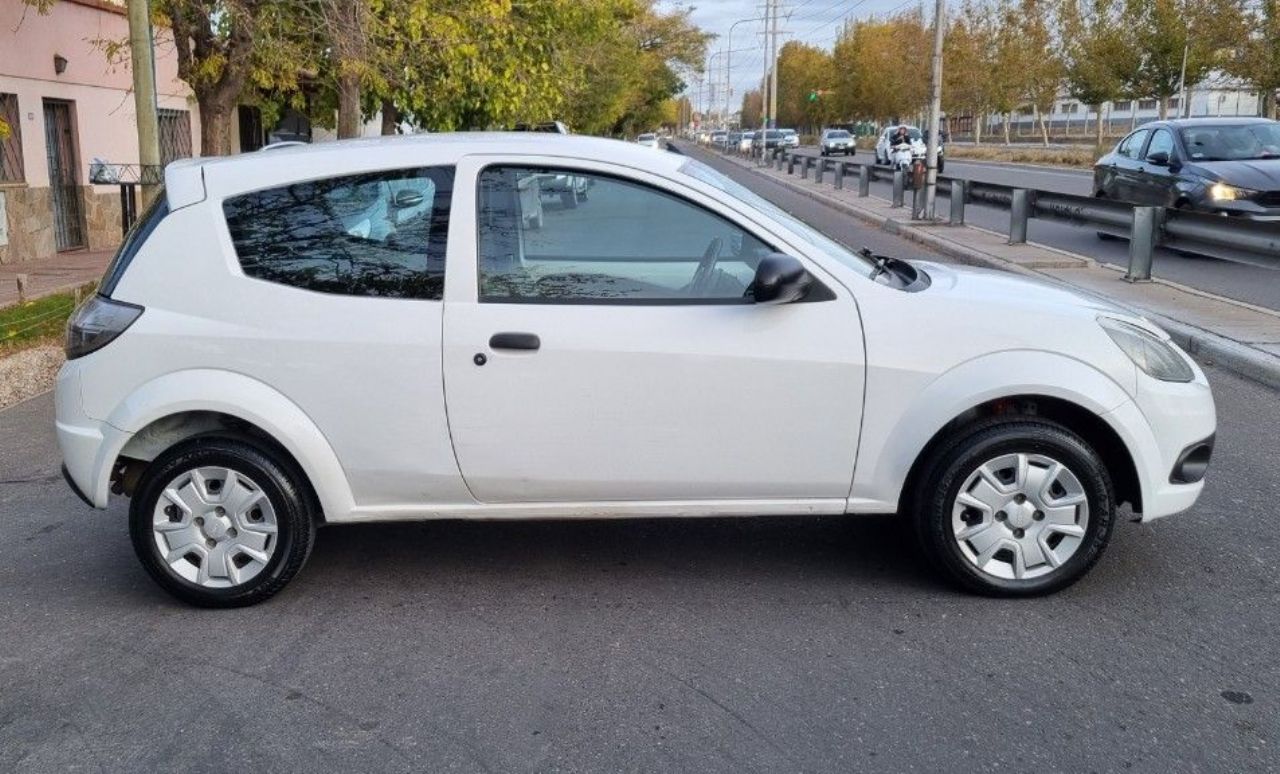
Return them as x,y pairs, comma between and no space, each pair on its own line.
68,219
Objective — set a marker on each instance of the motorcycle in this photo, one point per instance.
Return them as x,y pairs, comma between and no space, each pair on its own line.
910,160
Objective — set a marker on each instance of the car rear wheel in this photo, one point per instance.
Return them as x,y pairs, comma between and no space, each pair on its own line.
221,523
1014,507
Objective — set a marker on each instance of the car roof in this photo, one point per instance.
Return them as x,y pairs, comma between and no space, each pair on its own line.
1177,123
188,181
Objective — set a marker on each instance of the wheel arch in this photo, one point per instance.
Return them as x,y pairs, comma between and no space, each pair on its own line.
1075,393
1091,427
182,405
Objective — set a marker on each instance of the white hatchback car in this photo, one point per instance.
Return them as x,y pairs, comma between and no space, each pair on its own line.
372,330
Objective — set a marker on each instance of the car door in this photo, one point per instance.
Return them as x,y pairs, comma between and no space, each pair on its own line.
1129,165
612,355
1156,182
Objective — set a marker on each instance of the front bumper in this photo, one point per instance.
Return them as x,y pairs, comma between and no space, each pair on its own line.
1165,422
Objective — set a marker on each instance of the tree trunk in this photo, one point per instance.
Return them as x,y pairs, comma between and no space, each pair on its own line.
390,117
1268,104
1097,144
215,126
977,130
1133,115
1007,139
1044,127
1164,107
348,106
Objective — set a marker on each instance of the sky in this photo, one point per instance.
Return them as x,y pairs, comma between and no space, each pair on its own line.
812,21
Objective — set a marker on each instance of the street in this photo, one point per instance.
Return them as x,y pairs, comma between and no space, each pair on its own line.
781,644
1241,281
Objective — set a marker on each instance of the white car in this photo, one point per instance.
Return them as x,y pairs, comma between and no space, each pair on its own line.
274,348
790,139
744,144
919,148
647,140
835,141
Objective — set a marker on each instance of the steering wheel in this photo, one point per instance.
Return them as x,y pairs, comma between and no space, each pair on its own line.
703,272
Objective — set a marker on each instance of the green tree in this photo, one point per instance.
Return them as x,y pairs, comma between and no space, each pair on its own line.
1256,58
1162,30
1098,55
969,53
752,106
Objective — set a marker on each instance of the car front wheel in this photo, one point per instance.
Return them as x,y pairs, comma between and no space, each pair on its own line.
1014,507
221,523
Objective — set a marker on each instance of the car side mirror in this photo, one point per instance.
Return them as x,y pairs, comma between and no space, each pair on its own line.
406,198
780,279
1159,158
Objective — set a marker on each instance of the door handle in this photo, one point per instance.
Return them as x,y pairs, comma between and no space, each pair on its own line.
523,341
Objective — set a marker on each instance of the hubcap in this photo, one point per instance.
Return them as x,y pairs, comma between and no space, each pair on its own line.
1020,516
214,527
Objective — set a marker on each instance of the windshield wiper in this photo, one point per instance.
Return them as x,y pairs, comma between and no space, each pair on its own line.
881,262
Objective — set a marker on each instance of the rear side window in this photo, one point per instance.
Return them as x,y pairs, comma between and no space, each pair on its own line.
377,234
1131,146
133,241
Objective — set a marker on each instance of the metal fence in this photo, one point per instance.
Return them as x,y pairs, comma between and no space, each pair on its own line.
1229,238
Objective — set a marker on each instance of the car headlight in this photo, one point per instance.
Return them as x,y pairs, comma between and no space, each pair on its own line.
1156,357
1221,192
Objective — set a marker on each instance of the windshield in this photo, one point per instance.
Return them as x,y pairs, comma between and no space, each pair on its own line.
699,171
644,137
1232,143
839,134
912,132
787,131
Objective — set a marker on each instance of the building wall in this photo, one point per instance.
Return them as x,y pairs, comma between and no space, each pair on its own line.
104,117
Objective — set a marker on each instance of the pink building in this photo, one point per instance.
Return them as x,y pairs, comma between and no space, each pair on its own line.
67,105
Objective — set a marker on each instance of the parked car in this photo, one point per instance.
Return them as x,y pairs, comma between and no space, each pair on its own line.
745,143
262,359
731,141
719,139
648,140
552,127
790,139
836,141
919,147
1223,165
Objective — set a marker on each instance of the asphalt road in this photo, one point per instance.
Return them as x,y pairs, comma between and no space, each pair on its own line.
801,644
1241,281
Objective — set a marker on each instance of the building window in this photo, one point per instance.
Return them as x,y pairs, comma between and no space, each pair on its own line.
11,143
175,135
1026,110
1146,104
1070,107
1175,103
1123,107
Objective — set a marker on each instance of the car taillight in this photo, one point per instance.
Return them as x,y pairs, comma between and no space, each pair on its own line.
96,323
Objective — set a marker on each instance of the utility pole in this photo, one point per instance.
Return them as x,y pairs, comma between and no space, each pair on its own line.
935,113
764,85
773,76
142,61
1184,108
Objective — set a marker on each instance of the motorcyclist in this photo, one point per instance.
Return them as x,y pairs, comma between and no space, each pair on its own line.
900,135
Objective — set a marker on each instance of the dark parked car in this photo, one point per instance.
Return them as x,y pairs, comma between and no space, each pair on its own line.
770,139
1222,165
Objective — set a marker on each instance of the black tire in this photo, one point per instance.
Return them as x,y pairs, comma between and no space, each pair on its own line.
946,471
279,481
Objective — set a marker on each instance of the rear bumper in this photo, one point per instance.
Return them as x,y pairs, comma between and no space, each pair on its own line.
89,446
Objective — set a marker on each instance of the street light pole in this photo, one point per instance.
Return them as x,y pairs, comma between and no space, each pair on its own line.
935,113
728,67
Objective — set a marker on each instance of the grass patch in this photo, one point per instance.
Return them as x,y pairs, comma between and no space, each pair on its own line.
1078,158
37,322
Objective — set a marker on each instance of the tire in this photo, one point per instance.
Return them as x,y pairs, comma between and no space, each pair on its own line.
569,198
1036,527
271,492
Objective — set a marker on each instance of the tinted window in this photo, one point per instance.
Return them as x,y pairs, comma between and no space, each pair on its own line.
624,243
378,234
1131,146
1161,142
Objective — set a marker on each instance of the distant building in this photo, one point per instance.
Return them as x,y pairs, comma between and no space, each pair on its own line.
66,106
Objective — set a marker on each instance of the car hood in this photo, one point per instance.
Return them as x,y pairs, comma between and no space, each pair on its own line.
1257,174
994,288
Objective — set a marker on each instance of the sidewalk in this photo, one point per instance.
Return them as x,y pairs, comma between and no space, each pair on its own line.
1239,336
52,275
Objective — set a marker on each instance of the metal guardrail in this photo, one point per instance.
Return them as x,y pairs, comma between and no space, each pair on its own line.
1228,238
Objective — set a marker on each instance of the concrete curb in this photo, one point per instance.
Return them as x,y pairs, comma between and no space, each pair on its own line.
1228,353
